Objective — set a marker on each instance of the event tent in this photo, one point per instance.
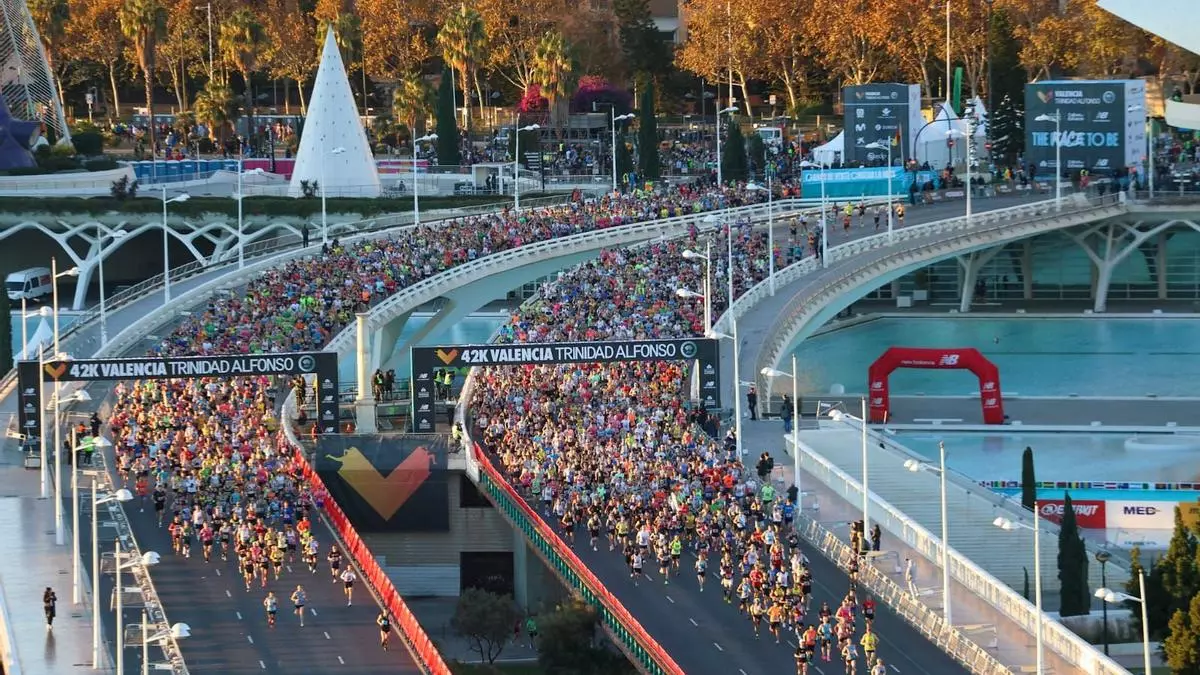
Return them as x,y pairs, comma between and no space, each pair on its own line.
832,152
930,145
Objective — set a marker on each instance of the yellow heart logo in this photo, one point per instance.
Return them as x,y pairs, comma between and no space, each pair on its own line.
447,357
55,370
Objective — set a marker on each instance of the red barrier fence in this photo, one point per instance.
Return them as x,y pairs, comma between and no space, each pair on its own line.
407,623
560,547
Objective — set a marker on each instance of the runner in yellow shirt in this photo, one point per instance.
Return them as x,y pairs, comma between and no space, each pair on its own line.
869,642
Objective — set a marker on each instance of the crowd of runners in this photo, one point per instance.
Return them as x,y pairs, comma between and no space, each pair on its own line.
611,449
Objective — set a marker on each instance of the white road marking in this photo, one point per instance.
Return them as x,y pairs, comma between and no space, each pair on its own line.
312,611
289,568
341,661
327,636
793,644
262,665
239,615
718,647
693,622
218,571
250,638
228,594
894,667
670,600
742,672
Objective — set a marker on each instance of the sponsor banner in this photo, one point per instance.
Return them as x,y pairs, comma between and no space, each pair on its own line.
570,352
29,401
878,113
388,483
1100,129
88,370
1141,515
1090,514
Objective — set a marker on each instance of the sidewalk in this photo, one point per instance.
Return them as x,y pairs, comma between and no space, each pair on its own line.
974,617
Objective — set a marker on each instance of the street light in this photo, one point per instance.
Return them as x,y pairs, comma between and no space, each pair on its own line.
713,221
839,416
1103,557
955,133
517,164
100,235
417,204
1006,524
771,372
770,228
148,558
121,495
914,465
737,392
616,118
723,111
78,396
1108,596
166,231
1149,149
176,632
44,312
684,293
324,212
55,276
1057,119
97,443
239,196
45,457
887,144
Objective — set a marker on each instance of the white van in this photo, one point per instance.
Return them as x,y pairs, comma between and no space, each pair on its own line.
29,284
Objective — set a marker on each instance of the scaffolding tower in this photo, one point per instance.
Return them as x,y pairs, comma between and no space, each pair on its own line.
26,82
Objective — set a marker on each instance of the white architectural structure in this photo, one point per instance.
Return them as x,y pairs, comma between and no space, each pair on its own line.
1175,21
333,124
25,78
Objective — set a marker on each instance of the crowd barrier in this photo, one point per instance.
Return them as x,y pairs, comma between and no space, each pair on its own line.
410,629
634,640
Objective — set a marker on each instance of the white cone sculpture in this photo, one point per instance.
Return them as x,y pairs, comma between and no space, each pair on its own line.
333,124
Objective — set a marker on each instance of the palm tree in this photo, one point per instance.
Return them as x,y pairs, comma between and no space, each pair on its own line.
347,31
554,69
240,38
51,17
143,22
216,106
462,39
412,99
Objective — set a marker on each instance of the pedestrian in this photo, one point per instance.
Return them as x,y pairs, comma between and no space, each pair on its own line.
752,402
95,422
786,414
910,576
876,536
304,235
49,602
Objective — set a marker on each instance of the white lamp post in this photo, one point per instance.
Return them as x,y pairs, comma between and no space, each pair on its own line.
115,234
175,632
1057,119
795,375
45,313
98,444
1116,596
416,204
121,495
60,535
723,111
325,213
166,233
914,465
770,229
887,145
839,416
737,381
1006,524
616,118
148,558
966,138
55,276
517,163
684,293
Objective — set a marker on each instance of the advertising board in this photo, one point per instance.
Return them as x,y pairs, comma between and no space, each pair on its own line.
877,113
388,483
1101,127
1089,513
1141,515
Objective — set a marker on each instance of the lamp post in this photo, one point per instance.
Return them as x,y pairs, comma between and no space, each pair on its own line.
241,222
616,118
684,293
1057,119
55,276
115,234
839,416
121,495
166,232
44,312
969,142
429,138
324,212
147,558
517,163
722,111
175,632
1103,557
940,470
771,372
887,144
76,560
770,229
59,535
737,385
1006,524
59,531
1113,596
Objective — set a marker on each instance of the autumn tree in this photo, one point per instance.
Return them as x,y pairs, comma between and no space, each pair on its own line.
724,44
286,26
143,23
395,36
555,71
785,51
94,36
917,39
849,38
1109,47
51,18
184,44
513,33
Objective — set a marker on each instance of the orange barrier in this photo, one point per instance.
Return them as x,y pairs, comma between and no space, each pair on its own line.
430,660
665,664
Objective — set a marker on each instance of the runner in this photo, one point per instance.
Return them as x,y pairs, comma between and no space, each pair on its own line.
850,657
384,622
868,608
701,566
593,525
869,643
802,657
348,577
879,668
335,561
635,567
299,599
271,604
775,616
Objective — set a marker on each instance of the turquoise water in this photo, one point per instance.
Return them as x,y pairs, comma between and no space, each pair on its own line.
475,329
1103,495
31,325
1036,357
1056,457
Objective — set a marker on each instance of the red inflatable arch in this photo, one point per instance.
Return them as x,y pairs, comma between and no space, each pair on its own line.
938,359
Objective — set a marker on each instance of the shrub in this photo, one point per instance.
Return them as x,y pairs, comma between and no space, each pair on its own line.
88,143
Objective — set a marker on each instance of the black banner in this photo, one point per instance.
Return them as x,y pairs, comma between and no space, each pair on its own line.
1101,125
29,400
427,360
388,483
876,113
322,364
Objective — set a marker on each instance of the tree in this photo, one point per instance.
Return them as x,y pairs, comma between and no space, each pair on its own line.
594,90
51,18
1072,565
216,107
1028,480
568,645
182,45
917,40
1182,644
514,32
647,55
850,38
733,155
462,39
143,23
624,160
724,44
757,153
447,125
411,100
1157,604
94,35
1008,79
394,36
648,163
554,70
286,26
239,40
486,619
1180,576
6,337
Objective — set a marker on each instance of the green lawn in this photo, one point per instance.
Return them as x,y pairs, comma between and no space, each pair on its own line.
498,669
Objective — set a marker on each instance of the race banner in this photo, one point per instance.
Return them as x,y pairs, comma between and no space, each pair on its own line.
388,483
1090,514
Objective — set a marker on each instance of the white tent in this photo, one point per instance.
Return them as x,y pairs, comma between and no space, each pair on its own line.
334,150
42,337
931,145
832,152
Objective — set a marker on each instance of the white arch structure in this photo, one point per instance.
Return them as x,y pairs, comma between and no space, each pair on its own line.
1175,21
25,78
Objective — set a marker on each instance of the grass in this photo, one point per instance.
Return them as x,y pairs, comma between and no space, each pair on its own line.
499,669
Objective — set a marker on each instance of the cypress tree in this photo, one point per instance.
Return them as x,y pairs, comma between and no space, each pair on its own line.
624,160
6,338
648,165
1158,610
757,150
1028,481
733,157
1183,635
1179,572
1072,565
447,126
